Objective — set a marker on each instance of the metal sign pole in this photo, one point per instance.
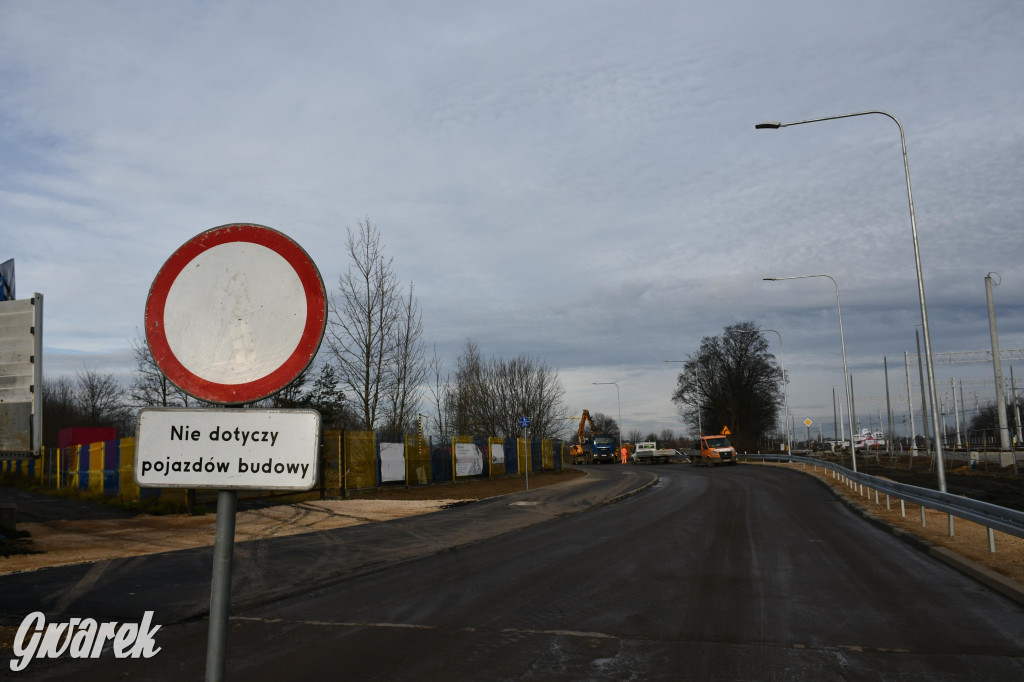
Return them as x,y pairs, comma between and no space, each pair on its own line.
525,422
220,590
526,447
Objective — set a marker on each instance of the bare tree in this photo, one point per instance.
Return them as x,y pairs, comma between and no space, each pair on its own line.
150,387
101,399
470,402
91,399
490,396
60,408
362,319
406,368
441,397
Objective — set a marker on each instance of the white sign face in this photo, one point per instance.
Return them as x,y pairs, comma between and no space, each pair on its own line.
235,313
498,454
467,460
392,462
227,449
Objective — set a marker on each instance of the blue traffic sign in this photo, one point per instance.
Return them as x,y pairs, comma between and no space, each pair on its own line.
524,421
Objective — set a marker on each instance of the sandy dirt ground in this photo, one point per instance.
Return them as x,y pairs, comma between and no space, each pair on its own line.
72,542
64,542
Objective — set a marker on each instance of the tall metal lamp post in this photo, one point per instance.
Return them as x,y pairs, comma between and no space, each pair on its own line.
612,383
785,389
771,125
842,341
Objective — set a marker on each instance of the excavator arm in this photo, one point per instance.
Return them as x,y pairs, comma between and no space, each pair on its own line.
577,450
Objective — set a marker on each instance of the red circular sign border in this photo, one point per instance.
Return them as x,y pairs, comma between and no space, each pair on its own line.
305,351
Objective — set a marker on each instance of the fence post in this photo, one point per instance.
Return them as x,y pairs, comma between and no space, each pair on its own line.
343,464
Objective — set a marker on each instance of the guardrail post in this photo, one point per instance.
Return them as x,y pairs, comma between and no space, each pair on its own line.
950,524
991,540
888,506
903,509
923,520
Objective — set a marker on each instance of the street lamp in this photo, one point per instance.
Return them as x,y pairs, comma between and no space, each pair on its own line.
842,341
785,390
612,383
696,394
917,262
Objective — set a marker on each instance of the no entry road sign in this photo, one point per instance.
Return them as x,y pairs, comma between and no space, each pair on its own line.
236,313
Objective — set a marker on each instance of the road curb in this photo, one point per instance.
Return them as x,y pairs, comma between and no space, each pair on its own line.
631,493
1000,583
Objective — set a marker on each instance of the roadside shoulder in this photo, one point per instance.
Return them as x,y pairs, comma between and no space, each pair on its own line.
989,577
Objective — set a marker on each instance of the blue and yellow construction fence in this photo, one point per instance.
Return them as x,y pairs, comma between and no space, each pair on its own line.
350,461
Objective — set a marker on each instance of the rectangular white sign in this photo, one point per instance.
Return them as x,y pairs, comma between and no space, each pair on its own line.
467,460
392,462
227,449
498,454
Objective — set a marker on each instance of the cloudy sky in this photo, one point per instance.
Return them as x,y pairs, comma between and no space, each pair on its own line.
580,181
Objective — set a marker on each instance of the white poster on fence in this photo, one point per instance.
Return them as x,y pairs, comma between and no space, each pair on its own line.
498,454
392,462
468,461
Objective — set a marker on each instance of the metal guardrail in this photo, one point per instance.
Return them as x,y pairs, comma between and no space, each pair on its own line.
991,516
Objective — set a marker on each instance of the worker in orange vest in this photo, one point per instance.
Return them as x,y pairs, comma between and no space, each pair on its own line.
623,454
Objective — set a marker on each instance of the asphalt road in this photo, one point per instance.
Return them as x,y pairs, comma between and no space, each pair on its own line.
738,573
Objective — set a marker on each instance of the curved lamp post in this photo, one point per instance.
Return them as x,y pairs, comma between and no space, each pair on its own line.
612,383
785,389
842,341
917,262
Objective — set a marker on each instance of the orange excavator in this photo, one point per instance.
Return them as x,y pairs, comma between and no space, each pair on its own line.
596,448
577,453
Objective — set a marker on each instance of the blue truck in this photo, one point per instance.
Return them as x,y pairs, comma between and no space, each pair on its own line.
602,449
